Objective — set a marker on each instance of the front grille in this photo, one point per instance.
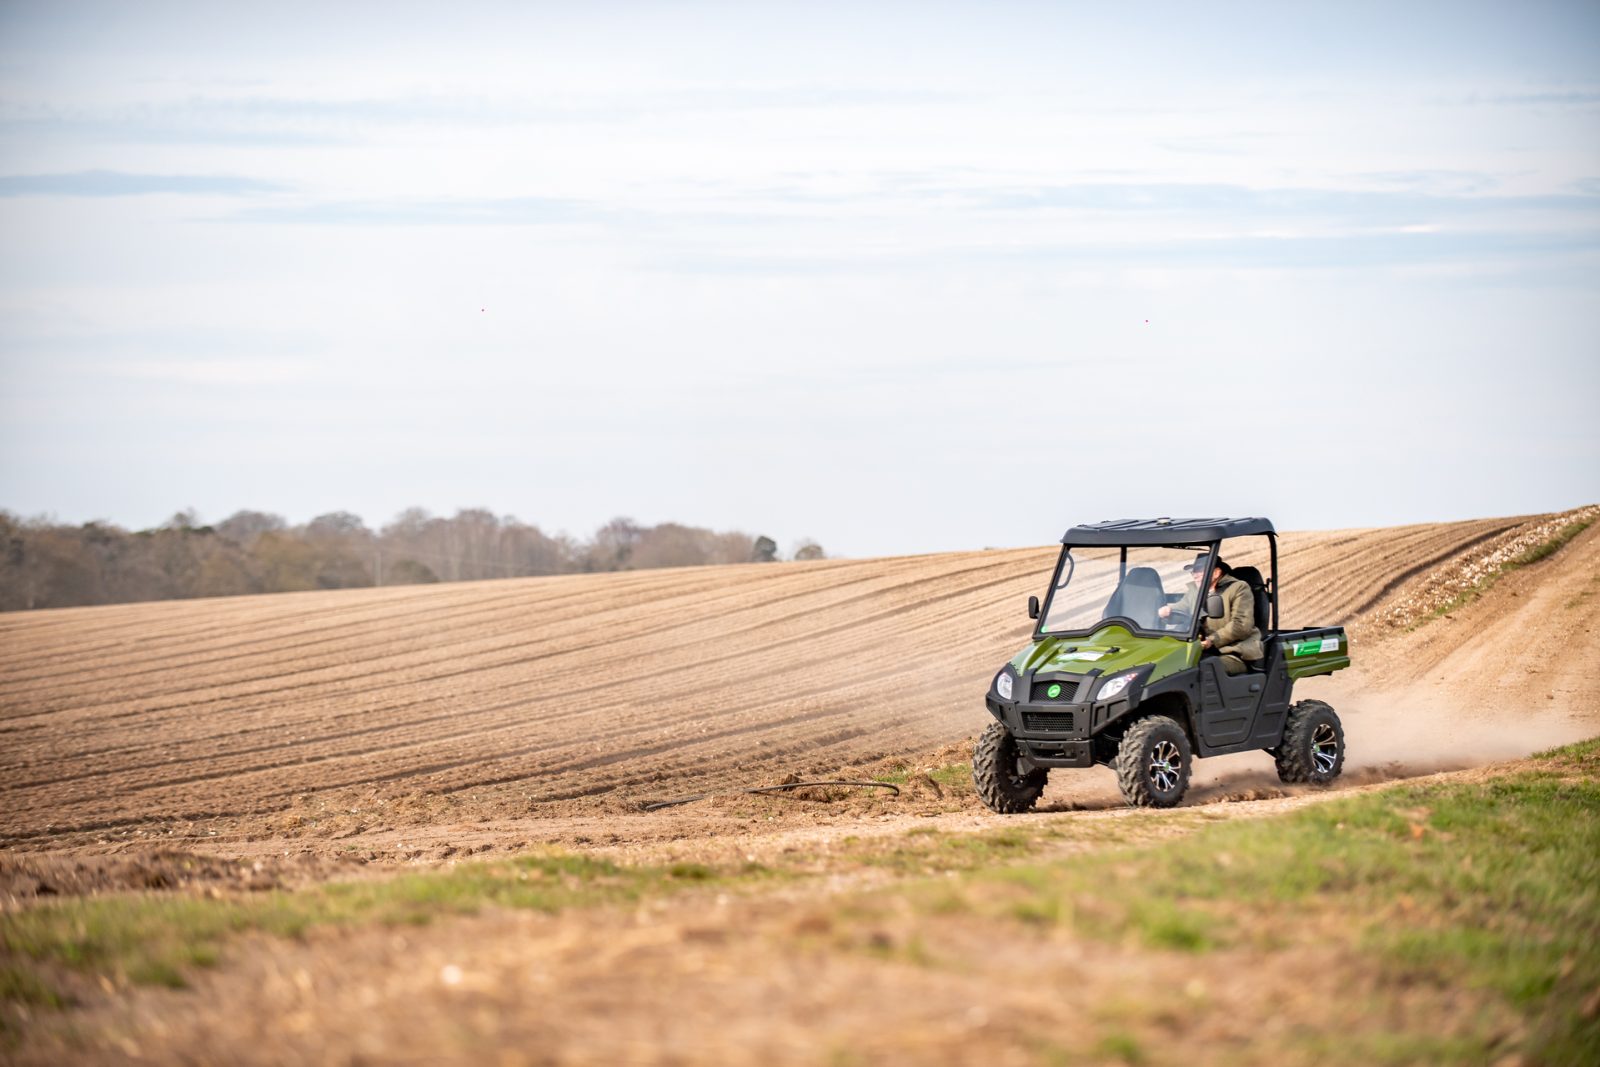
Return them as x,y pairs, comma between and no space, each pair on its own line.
1069,686
1049,722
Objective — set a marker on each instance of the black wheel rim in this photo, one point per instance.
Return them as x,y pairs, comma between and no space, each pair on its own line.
1324,748
1166,766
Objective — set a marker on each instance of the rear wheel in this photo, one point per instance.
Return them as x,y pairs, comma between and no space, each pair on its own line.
1313,744
1153,763
1001,784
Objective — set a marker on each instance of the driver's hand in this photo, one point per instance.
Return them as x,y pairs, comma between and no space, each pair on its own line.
1165,611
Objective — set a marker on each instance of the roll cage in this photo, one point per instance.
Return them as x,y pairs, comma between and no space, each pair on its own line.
1205,535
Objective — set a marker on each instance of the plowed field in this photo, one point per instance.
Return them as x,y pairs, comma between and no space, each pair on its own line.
161,765
419,712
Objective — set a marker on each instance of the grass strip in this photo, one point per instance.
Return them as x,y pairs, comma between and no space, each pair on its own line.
159,938
1531,555
1490,887
156,938
951,776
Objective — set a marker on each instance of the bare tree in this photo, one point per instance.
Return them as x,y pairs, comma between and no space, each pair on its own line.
670,545
46,564
613,546
243,527
808,549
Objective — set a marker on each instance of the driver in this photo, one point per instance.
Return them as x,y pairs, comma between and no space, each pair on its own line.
1184,603
1234,637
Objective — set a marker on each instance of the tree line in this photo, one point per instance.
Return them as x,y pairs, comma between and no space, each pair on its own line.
44,564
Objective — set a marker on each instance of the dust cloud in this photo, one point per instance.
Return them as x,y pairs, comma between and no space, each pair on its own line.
1389,735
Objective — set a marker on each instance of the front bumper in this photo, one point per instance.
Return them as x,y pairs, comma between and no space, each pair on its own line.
1048,735
1056,734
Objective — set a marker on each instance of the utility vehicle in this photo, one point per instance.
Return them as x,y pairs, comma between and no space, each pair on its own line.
1111,678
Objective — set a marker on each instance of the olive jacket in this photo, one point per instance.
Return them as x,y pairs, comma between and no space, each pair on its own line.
1236,633
1184,602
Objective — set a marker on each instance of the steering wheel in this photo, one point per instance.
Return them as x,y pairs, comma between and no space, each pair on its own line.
1178,620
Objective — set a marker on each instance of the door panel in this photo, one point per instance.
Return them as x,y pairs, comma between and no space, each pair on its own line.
1227,707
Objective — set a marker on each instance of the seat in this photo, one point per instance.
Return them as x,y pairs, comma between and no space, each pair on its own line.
1263,604
1138,598
1252,577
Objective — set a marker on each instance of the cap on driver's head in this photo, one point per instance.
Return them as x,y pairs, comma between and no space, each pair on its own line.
1199,563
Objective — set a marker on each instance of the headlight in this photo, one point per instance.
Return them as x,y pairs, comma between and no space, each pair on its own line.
1002,685
1114,687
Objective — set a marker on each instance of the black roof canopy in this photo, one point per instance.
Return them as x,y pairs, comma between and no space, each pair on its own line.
1163,531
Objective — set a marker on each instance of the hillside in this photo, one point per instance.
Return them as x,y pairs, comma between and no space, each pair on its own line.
240,718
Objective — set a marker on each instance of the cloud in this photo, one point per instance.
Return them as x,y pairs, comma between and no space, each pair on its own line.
1438,182
1363,207
1576,98
223,372
280,120
105,183
1261,249
1399,246
1378,199
509,211
1226,144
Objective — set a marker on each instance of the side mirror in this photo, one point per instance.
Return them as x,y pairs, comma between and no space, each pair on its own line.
1214,609
1033,607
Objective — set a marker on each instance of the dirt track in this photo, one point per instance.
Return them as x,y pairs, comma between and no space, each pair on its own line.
420,721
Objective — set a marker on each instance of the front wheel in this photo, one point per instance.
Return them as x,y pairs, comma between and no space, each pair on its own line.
1152,763
1313,745
1002,786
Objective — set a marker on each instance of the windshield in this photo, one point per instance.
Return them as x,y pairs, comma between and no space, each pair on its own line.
1151,587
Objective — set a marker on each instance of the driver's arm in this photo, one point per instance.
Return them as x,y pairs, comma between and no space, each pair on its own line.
1236,625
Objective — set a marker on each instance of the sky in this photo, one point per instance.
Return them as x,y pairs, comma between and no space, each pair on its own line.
896,277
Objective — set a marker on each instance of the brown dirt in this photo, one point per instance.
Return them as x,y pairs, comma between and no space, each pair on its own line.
404,719
254,742
41,875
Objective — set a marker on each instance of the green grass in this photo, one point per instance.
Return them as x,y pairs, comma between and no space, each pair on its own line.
159,938
22,986
1386,1049
1532,555
1489,887
1121,1047
952,776
927,850
155,939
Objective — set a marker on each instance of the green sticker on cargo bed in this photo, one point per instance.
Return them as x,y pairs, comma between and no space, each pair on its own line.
1311,648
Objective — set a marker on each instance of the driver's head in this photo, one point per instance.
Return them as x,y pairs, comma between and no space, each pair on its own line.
1198,567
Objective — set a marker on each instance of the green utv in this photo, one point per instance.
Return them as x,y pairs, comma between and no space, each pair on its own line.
1115,674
